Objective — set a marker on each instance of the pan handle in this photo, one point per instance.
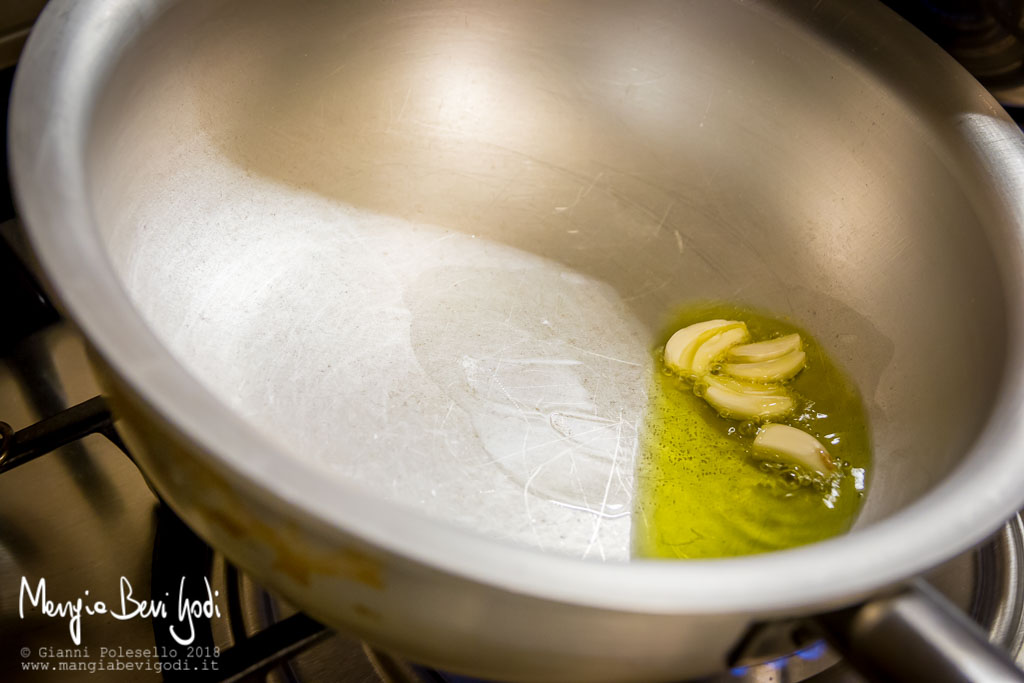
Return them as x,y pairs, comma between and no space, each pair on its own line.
916,635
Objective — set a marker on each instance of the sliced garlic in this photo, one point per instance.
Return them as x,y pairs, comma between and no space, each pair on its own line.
741,401
742,387
765,350
709,351
789,444
681,346
775,370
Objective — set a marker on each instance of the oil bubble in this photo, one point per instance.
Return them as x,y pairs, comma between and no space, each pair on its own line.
790,481
748,428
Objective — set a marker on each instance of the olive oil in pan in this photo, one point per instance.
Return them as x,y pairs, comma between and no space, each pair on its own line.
702,489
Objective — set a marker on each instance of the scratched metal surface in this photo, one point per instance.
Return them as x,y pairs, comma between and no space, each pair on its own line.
470,379
430,249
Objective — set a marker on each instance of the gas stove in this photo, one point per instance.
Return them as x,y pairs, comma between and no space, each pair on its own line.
78,521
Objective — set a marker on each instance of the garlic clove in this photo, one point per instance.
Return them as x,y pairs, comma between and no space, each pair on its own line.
789,444
681,346
709,351
742,387
738,401
765,350
775,370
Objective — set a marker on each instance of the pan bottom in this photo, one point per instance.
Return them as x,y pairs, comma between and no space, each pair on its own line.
469,379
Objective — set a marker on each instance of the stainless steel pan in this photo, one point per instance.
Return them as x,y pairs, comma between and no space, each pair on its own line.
373,287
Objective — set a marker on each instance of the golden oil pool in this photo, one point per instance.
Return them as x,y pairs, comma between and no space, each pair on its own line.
700,491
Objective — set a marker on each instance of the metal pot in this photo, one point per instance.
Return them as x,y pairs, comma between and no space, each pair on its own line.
332,258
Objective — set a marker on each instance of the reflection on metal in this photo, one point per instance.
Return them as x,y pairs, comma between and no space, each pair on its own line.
81,516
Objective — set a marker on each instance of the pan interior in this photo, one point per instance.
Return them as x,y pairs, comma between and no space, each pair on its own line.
429,249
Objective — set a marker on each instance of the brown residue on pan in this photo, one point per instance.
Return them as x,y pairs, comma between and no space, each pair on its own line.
219,504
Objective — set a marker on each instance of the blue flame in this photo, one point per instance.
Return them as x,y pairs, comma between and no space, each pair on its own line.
812,652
